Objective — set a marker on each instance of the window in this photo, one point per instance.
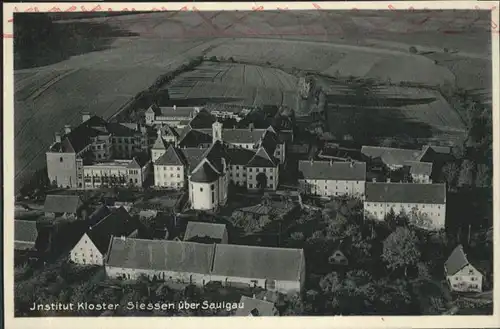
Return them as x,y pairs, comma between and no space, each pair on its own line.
171,175
473,278
271,185
201,189
179,168
178,176
237,167
250,177
249,169
60,159
270,177
212,187
250,185
237,175
213,197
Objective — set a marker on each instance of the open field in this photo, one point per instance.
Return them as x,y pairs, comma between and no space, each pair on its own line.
336,59
247,85
390,111
100,70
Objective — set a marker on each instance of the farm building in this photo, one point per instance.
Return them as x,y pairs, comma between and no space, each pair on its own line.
206,232
93,245
274,269
460,274
396,159
132,172
424,203
328,178
65,206
174,116
94,140
185,262
25,234
256,307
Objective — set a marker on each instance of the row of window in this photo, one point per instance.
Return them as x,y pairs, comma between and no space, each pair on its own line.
170,168
270,170
368,204
165,176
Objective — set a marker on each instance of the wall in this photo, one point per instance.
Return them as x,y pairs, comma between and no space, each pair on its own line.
271,173
436,212
333,187
171,177
238,175
86,253
280,286
123,147
61,167
201,195
93,175
280,153
466,280
134,274
155,154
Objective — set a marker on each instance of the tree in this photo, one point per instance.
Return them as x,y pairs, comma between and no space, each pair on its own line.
391,219
466,176
420,219
261,180
401,250
450,172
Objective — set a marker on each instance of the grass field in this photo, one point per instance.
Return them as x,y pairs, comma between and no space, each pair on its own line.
390,111
108,67
248,85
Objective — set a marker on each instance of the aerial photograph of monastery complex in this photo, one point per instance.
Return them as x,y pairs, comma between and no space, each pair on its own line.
253,163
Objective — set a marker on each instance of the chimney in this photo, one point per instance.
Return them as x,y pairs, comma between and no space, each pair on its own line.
67,129
331,163
85,116
265,298
123,238
388,180
351,164
250,126
175,107
253,296
58,137
374,180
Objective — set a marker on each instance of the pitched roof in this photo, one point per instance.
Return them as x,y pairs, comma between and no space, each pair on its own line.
258,262
172,157
160,255
203,119
25,231
390,155
405,193
62,203
202,230
239,156
204,173
194,137
242,136
139,160
193,155
99,214
177,111
255,307
355,171
169,131
262,159
160,144
420,168
118,223
456,261
120,129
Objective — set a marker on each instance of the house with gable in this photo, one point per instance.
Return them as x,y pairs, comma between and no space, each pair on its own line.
174,116
328,178
64,206
92,247
396,159
461,275
256,307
